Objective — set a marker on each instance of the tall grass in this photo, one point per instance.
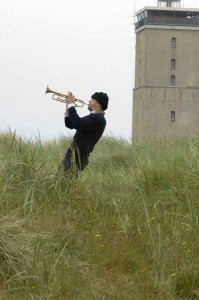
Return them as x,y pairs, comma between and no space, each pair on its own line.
127,228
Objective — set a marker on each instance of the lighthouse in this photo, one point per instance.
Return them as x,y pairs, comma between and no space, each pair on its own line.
166,87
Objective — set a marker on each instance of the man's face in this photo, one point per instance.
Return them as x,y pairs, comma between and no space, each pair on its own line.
94,105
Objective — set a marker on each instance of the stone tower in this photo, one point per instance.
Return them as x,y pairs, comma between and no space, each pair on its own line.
166,91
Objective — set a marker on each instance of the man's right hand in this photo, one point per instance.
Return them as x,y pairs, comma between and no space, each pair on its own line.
70,98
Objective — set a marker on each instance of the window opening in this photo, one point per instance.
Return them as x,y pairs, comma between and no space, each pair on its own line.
173,42
173,64
172,80
172,116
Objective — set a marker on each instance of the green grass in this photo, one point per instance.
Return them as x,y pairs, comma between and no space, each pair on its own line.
127,228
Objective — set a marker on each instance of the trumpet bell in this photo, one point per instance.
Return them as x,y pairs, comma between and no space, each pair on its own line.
49,90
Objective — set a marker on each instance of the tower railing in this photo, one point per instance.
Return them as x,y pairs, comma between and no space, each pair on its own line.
168,21
169,3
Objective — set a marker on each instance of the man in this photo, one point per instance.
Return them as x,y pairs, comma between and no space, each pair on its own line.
89,130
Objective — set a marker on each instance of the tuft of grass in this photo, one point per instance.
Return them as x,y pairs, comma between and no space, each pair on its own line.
15,251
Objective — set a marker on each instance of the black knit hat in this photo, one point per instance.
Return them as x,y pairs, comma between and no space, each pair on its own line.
102,98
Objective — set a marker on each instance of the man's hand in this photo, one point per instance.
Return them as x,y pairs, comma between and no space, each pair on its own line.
70,98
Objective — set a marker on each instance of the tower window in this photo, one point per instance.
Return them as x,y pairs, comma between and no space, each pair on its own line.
172,80
173,116
173,64
173,42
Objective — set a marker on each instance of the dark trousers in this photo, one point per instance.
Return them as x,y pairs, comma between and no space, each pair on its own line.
74,161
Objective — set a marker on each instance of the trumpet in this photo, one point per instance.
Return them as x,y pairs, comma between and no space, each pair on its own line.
63,98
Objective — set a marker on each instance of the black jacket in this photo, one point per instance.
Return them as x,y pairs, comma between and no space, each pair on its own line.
89,129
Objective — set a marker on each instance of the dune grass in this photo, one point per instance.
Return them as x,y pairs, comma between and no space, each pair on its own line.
127,228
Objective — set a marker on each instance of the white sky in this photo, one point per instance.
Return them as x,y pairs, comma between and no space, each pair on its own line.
81,46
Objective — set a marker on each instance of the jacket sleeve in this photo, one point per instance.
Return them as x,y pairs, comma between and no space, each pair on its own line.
88,123
68,123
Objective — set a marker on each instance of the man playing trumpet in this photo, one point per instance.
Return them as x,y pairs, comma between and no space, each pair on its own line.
89,130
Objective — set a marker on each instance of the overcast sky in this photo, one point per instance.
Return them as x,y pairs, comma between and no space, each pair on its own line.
83,46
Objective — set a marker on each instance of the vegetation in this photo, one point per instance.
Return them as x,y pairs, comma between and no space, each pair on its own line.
127,228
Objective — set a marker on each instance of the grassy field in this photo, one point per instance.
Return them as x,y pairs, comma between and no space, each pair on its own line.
126,229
